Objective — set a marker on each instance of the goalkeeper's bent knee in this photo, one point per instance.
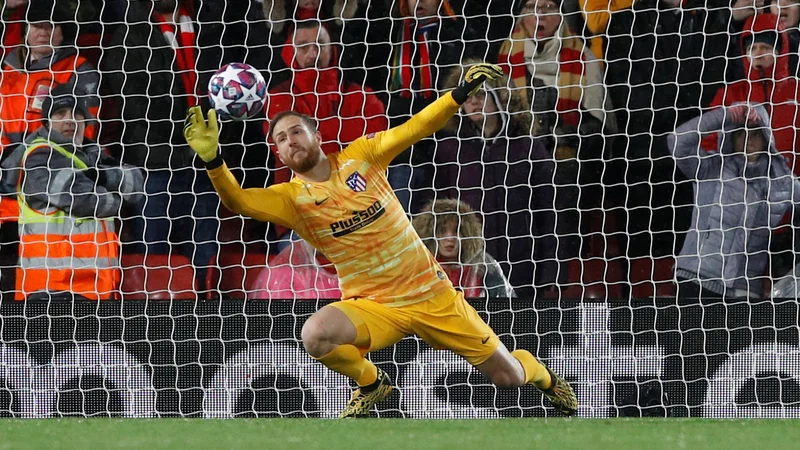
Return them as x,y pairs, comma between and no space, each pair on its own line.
348,361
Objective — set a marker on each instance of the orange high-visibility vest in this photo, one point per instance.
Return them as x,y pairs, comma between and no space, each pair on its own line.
60,253
22,95
9,209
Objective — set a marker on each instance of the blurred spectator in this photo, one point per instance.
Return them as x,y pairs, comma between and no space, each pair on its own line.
766,61
741,193
48,58
493,165
789,13
299,271
157,63
664,60
243,34
563,83
246,36
345,111
451,231
344,20
542,47
13,23
410,55
741,10
418,49
69,195
597,15
281,14
643,48
764,47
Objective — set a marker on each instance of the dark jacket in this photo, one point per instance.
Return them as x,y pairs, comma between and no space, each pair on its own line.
51,180
140,65
663,64
448,43
509,179
737,205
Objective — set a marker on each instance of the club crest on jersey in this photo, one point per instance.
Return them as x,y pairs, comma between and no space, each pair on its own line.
356,182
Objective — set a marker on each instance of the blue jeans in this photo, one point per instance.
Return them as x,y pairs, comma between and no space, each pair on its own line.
179,209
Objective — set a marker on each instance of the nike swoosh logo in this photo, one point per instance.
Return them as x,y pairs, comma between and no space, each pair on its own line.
319,202
485,340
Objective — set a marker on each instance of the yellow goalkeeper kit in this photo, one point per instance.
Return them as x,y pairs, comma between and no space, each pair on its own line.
391,283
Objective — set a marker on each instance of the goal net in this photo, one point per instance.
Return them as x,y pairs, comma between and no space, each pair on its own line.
620,203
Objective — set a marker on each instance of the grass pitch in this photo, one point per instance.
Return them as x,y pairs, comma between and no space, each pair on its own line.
386,434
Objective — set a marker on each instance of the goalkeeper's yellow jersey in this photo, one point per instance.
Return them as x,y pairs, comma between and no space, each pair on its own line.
354,218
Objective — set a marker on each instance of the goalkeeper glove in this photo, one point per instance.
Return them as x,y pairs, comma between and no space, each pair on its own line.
473,80
202,136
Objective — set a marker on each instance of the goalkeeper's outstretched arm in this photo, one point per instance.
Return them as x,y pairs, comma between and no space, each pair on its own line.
272,204
392,142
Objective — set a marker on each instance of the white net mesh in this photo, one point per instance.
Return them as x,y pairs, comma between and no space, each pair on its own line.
635,157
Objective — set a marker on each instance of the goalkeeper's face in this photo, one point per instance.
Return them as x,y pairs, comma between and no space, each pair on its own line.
298,144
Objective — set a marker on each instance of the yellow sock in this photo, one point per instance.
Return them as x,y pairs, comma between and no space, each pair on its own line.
535,372
348,361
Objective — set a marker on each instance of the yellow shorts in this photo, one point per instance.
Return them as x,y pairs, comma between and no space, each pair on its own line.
446,322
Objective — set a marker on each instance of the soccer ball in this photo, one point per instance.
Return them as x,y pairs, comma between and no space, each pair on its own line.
237,91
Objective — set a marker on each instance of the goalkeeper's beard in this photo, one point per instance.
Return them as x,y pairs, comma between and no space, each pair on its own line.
313,156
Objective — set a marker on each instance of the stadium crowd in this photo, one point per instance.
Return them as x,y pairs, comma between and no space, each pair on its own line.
635,147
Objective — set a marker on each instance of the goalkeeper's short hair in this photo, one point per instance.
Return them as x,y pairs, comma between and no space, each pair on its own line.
307,121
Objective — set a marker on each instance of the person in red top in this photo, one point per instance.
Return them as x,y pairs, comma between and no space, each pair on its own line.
345,111
768,83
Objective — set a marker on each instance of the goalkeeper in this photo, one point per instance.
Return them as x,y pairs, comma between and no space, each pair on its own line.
391,284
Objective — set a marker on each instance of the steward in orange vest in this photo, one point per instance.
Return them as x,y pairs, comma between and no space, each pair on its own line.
69,194
46,59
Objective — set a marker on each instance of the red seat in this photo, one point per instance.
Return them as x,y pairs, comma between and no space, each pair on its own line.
157,277
649,277
232,229
235,272
594,278
235,228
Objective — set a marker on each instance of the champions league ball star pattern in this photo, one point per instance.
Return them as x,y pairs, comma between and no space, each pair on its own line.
237,91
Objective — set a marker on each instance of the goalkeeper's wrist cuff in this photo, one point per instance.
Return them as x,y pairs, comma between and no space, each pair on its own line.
215,163
461,93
